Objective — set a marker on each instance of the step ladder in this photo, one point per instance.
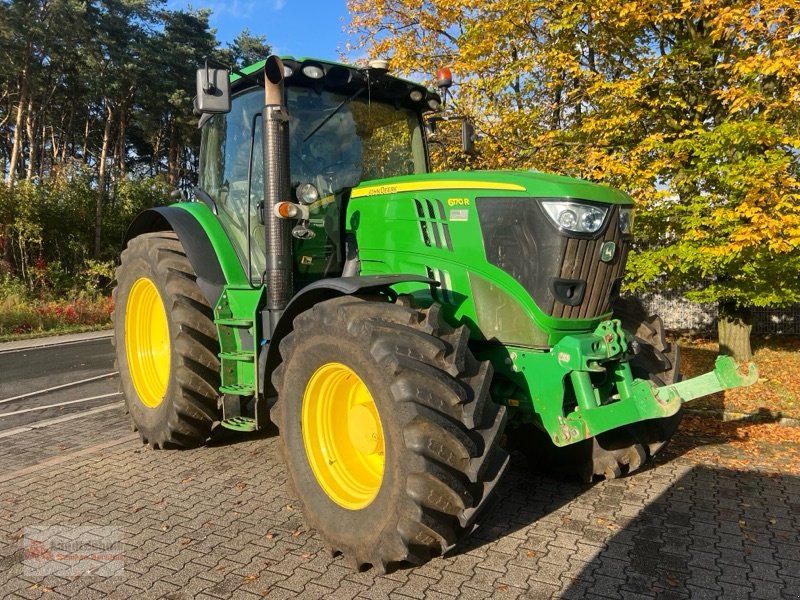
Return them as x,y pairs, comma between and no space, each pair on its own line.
236,317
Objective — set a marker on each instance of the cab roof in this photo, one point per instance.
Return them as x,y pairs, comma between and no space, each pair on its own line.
344,79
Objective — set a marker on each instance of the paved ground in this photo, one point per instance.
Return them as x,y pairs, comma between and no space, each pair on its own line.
219,522
58,379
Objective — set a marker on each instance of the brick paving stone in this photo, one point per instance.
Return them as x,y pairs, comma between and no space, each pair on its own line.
767,590
548,573
702,593
736,576
449,582
416,586
705,578
644,563
576,590
638,584
734,591
518,576
464,564
557,556
792,586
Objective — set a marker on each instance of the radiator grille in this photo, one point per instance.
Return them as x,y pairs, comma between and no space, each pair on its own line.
581,261
563,272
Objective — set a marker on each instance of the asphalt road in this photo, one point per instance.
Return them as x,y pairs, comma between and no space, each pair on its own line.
63,379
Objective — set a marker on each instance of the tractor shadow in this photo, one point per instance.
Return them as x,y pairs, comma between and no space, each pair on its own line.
528,495
672,532
221,437
524,496
710,532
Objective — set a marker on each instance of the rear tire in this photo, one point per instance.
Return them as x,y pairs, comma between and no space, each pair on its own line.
166,344
432,451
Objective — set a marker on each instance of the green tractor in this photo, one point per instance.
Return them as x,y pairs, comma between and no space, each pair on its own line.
401,328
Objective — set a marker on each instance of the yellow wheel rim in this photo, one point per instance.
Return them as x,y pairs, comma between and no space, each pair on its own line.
147,342
343,436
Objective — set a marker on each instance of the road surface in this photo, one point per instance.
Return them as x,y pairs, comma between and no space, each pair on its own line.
64,381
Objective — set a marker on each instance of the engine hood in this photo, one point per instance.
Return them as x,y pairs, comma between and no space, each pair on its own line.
530,184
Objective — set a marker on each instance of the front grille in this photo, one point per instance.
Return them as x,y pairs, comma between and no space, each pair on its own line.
581,261
562,272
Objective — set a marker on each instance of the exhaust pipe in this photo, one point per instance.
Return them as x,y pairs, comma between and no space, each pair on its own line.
278,276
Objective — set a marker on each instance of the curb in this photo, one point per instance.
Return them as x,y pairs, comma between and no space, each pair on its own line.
54,340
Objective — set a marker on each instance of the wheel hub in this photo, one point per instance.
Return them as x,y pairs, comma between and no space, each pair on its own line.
343,436
147,346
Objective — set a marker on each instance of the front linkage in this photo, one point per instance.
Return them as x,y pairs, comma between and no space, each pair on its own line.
606,394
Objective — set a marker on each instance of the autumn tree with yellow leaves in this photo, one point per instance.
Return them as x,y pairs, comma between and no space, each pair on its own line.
692,107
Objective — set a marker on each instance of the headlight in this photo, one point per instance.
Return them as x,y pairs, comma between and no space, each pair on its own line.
575,216
307,193
313,71
626,219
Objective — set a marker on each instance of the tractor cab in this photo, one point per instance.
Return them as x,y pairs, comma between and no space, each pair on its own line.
346,125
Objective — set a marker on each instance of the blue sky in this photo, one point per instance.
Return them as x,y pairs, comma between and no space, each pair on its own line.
297,27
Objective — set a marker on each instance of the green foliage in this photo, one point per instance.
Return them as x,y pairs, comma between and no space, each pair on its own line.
49,280
95,119
20,316
48,231
248,48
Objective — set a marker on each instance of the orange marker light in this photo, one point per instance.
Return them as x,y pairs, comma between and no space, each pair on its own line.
285,210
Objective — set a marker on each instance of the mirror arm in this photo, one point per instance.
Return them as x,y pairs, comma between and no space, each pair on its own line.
234,71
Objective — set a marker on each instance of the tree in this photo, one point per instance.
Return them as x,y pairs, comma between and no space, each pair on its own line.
181,48
248,48
93,94
691,107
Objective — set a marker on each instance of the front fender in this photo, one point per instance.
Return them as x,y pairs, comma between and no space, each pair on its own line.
319,291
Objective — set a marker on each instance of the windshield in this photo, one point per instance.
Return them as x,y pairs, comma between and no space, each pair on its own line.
342,141
335,143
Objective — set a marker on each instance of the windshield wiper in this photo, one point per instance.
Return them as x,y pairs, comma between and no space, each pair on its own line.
333,114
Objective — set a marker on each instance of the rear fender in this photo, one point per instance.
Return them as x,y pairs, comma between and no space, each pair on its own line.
207,246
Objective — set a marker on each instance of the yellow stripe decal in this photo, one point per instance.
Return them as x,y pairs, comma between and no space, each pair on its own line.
419,186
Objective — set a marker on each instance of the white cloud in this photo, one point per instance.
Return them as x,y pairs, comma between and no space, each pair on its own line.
233,10
278,4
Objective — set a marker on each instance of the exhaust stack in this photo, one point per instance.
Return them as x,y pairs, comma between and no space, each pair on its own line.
276,189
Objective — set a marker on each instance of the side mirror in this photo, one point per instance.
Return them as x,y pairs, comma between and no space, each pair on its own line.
213,91
468,137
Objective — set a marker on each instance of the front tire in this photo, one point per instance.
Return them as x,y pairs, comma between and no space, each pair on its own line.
390,439
166,344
